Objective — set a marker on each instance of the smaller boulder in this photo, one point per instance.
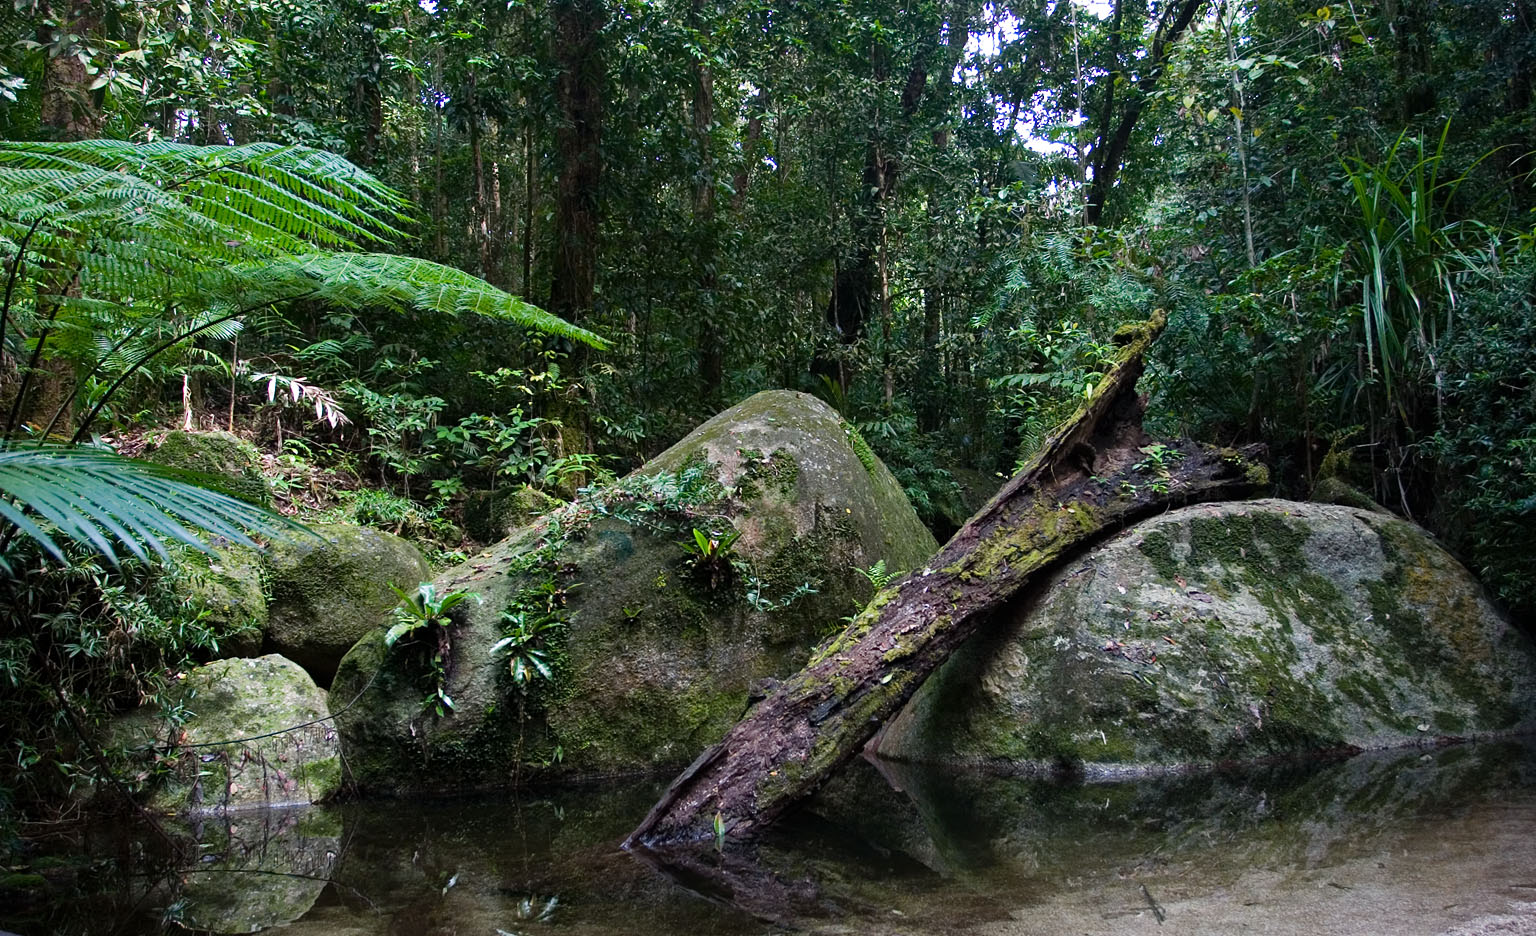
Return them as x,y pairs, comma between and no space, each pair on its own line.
330,590
232,464
258,734
490,516
1228,633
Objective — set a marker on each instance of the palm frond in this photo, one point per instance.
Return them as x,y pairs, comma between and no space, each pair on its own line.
101,501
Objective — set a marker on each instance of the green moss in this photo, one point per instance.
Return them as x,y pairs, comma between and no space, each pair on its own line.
230,464
867,456
778,473
1157,546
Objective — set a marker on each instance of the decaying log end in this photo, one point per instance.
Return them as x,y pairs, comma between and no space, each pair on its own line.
1093,477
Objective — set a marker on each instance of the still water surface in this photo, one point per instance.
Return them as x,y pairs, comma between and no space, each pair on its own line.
1408,843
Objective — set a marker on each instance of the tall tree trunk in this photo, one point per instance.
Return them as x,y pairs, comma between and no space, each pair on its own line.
711,351
578,139
530,194
439,197
481,207
68,109
792,741
930,411
853,288
579,93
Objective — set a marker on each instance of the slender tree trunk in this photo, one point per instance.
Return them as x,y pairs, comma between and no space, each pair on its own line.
792,741
498,223
482,210
530,176
579,92
439,197
1109,151
931,384
854,287
711,350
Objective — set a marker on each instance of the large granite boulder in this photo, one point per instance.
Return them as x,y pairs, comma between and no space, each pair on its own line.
653,652
329,590
490,516
256,733
1227,633
232,464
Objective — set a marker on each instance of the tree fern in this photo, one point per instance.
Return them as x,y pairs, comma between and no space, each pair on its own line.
115,253
104,502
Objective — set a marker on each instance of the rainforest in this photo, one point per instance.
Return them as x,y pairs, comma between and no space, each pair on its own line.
738,466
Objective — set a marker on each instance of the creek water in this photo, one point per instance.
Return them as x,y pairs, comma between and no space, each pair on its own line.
1413,842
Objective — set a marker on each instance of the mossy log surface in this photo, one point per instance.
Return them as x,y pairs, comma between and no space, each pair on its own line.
1091,479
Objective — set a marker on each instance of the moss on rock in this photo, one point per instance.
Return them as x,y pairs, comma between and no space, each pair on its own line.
233,465
256,734
1227,633
330,590
655,660
493,515
226,588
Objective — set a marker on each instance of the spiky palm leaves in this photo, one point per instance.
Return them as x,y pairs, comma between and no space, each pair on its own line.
115,253
98,499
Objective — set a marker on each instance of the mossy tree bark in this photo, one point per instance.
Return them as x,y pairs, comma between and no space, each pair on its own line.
1095,476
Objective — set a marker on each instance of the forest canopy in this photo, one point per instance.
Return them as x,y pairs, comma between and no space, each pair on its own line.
932,215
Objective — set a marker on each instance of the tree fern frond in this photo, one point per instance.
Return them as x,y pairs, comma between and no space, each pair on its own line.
361,280
104,502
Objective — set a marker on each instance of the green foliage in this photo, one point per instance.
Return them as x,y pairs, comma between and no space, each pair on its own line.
1487,438
1412,256
423,613
524,641
81,642
710,556
96,499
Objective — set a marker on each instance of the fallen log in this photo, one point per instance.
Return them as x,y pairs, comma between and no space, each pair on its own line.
1095,476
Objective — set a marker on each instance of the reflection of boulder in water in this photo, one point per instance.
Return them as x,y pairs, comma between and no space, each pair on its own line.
475,865
257,870
1296,815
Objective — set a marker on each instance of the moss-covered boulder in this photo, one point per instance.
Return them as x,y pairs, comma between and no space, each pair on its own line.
226,588
490,516
654,652
232,464
256,733
329,590
1229,633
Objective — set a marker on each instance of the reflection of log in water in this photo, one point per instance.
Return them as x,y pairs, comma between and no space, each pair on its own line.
971,837
738,878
